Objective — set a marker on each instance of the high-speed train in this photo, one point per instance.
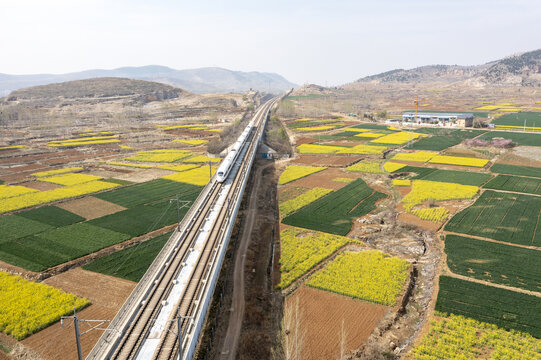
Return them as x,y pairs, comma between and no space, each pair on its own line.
229,161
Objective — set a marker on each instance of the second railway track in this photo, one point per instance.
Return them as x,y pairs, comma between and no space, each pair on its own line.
182,271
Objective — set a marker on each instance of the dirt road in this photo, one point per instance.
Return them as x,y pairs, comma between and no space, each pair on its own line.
231,341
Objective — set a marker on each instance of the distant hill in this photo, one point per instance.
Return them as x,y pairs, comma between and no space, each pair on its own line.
96,90
202,80
521,69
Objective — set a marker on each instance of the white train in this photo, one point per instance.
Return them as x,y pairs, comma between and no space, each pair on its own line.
229,161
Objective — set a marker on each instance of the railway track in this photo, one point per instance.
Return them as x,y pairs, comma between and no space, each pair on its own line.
145,328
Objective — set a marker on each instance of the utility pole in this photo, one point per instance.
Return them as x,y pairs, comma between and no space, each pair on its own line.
180,204
179,333
78,335
210,170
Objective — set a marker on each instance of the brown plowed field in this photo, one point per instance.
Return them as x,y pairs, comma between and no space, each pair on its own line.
320,318
107,295
334,161
325,178
41,185
304,140
90,207
144,175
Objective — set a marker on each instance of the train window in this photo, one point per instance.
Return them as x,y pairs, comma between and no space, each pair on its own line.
220,173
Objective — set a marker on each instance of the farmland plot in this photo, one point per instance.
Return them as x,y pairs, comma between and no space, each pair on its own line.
457,337
516,170
507,217
130,263
494,262
335,212
452,176
301,250
56,246
27,307
441,139
143,193
525,139
504,308
368,275
515,184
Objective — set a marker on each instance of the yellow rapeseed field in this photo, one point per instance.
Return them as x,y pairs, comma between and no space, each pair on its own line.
392,166
57,172
343,179
70,179
458,160
27,307
366,166
424,190
294,172
458,337
198,176
84,143
7,191
290,206
193,142
164,155
12,147
202,159
368,275
301,250
363,150
397,138
89,140
315,128
435,214
43,197
319,149
126,147
401,182
419,156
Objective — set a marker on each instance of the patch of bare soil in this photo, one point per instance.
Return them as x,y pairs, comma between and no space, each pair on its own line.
289,192
105,173
345,142
330,161
144,175
325,179
41,185
522,156
415,221
107,295
91,207
304,140
324,325
529,152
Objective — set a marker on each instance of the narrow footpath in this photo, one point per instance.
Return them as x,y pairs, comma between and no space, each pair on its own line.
231,339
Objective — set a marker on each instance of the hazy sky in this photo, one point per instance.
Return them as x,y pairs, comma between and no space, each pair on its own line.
324,42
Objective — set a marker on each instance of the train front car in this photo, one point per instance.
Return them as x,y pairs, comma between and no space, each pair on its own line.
229,160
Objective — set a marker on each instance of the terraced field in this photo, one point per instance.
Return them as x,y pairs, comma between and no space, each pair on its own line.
493,262
452,176
335,212
504,308
515,184
506,217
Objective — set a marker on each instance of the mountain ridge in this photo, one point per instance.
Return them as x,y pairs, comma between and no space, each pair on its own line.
199,80
518,69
